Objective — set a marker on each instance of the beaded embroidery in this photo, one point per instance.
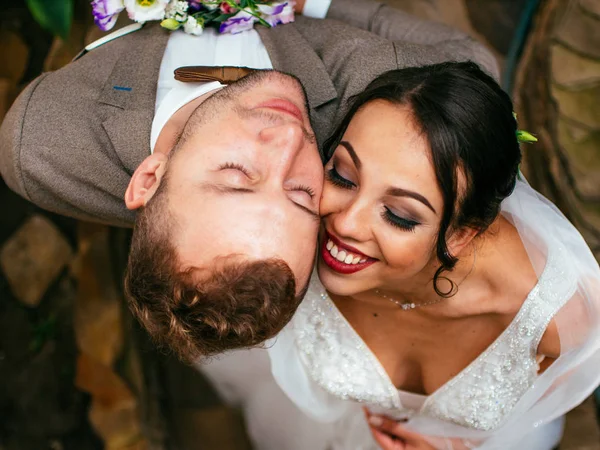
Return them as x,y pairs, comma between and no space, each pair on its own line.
481,396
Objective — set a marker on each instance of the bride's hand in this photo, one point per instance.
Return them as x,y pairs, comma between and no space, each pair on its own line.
391,435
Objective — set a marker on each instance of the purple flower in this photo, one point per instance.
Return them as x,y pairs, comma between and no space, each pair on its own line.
106,12
242,21
277,13
195,6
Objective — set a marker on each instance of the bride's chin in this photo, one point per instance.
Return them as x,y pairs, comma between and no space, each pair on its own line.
333,282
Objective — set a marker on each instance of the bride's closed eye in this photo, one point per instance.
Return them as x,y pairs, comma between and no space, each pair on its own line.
397,221
335,178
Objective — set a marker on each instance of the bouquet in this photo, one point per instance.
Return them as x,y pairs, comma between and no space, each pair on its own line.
228,16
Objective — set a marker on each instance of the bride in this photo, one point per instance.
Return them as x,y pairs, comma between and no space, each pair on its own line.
451,297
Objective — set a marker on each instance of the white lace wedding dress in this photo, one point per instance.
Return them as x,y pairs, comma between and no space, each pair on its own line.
305,390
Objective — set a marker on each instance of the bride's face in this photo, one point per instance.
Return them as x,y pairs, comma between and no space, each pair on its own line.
381,205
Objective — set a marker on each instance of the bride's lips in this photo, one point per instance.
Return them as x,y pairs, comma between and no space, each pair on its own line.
340,266
284,106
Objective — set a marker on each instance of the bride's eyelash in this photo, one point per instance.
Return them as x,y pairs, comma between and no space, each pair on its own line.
306,189
334,177
231,165
398,222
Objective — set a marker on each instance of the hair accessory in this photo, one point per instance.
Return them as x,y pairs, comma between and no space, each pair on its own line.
228,16
524,136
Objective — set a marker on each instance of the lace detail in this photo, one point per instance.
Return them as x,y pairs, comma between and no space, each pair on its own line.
338,361
483,394
479,397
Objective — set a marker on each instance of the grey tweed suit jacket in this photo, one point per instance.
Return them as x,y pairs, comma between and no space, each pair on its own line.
73,138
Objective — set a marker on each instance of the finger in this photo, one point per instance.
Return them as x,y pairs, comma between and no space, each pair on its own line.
385,441
388,426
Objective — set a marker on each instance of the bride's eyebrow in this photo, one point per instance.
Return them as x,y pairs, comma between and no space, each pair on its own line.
352,153
399,192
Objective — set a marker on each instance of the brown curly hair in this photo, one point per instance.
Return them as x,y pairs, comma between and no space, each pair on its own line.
199,312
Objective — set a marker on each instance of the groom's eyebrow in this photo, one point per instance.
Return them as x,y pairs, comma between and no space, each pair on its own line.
225,189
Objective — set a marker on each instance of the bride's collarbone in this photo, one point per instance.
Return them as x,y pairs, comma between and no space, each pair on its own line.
421,354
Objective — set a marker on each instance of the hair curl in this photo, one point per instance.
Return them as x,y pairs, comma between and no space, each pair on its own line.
198,312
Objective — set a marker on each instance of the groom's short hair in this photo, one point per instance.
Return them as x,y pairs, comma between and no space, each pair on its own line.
198,312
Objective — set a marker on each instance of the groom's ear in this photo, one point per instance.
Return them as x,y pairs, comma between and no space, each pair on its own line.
145,180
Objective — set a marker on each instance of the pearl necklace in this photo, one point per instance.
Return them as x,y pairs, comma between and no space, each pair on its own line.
407,306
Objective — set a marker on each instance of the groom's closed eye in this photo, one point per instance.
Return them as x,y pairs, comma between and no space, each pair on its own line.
221,188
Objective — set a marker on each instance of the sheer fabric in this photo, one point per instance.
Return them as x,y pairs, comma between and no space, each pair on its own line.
526,415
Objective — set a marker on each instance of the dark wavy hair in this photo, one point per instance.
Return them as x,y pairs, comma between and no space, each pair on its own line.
468,121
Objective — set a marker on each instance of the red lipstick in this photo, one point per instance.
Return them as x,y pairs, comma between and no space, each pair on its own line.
340,266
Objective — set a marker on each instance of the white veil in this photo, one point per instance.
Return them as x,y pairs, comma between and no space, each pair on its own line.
567,382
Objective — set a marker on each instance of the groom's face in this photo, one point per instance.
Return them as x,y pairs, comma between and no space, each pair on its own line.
246,177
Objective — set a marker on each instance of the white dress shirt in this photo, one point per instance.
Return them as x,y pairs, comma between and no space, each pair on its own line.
209,49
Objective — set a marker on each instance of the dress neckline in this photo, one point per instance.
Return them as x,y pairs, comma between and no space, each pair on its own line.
427,398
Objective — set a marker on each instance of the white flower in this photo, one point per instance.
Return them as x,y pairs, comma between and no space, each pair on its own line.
193,26
145,10
211,5
177,10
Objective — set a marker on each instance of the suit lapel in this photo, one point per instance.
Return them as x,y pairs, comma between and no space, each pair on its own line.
291,53
131,89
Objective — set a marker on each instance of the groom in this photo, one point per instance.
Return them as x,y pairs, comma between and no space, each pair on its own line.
226,175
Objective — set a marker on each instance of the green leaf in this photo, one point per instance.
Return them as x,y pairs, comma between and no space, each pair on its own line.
170,24
53,15
525,137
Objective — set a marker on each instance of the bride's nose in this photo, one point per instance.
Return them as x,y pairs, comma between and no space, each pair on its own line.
352,222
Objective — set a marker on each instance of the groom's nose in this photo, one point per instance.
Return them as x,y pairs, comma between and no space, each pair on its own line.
283,146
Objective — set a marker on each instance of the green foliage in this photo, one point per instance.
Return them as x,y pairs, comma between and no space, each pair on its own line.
43,331
53,15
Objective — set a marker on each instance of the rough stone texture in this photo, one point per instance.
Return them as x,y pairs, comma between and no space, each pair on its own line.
557,97
39,404
579,104
99,329
216,428
581,432
572,70
113,411
32,259
581,145
578,29
98,311
496,20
